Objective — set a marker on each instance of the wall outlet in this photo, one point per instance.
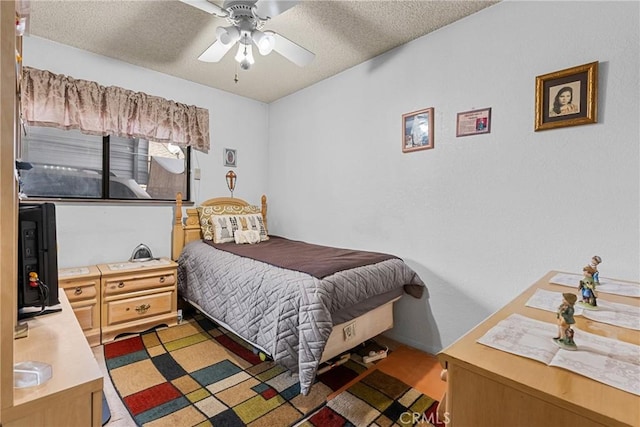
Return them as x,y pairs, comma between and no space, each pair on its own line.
349,331
196,173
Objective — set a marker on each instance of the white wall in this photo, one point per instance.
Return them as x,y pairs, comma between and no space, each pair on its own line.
97,233
480,218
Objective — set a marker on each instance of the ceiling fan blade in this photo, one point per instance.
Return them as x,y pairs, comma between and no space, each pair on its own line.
215,52
273,8
292,51
208,7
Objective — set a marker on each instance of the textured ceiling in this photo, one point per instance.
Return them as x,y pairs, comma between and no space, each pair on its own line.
168,36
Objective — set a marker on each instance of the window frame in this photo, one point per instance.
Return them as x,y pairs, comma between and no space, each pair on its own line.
105,181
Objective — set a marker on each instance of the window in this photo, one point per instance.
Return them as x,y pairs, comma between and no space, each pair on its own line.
71,165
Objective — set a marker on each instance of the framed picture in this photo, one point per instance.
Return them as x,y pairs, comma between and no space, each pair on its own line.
230,158
474,122
417,130
567,97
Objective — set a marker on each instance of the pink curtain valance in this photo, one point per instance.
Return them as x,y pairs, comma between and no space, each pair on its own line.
60,101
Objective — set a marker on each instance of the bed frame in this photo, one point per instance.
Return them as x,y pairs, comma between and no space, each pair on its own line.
188,229
344,336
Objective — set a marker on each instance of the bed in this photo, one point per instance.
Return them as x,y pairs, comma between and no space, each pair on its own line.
299,303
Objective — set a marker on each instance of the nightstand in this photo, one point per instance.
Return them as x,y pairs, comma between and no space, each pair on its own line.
137,296
82,287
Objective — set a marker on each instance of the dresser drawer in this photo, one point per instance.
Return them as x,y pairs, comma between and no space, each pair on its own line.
80,292
129,309
127,284
73,282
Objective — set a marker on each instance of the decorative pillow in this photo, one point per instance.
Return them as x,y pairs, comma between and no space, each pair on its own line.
254,222
225,226
205,213
246,236
251,209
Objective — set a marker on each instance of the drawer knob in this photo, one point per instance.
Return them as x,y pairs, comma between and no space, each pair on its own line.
78,291
121,285
142,309
162,279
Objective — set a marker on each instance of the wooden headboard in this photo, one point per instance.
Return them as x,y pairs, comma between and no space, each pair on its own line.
188,229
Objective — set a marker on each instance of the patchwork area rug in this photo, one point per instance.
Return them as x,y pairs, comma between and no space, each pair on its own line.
380,400
198,374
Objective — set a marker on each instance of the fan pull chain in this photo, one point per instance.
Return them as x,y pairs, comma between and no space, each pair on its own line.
236,79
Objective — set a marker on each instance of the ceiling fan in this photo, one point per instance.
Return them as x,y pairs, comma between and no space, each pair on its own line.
247,18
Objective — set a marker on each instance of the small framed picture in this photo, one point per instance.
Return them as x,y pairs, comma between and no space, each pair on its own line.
417,130
473,122
230,157
567,97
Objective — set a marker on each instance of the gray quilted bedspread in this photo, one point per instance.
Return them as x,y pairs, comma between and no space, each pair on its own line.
286,312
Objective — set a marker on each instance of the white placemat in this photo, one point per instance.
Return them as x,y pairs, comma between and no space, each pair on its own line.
624,315
612,362
608,286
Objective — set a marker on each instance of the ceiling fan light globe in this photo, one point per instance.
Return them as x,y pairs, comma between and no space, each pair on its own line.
265,41
245,56
227,35
239,55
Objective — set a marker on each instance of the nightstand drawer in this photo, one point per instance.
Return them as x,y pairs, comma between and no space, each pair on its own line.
129,309
80,292
127,284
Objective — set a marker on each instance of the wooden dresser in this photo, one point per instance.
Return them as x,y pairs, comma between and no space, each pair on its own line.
489,387
82,287
136,296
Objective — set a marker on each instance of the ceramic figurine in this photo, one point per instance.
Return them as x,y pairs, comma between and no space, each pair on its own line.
595,260
565,320
587,289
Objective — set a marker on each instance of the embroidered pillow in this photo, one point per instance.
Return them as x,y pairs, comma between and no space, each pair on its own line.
251,209
225,226
204,215
246,236
207,225
253,222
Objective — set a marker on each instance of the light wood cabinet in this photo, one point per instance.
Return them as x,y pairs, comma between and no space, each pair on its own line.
10,45
73,395
136,296
489,387
82,287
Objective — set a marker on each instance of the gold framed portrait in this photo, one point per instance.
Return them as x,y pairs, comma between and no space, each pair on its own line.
567,97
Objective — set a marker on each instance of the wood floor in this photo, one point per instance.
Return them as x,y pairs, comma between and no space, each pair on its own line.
413,367
416,368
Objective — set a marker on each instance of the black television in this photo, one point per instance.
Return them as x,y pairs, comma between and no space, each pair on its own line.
37,252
